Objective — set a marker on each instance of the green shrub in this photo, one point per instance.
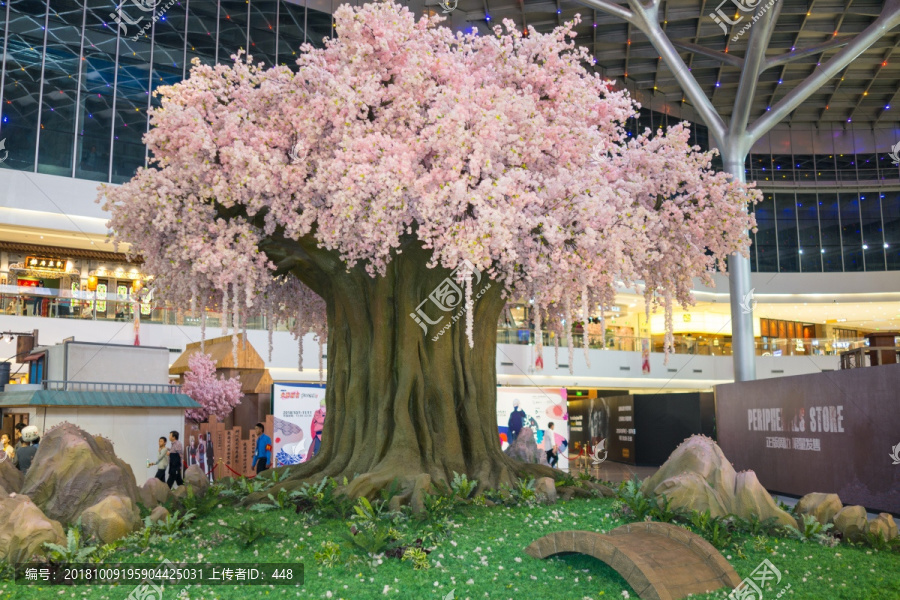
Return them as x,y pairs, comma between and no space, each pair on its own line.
74,551
329,555
662,510
250,532
462,487
418,557
638,505
812,530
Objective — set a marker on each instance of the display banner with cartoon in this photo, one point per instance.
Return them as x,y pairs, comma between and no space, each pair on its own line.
540,407
299,416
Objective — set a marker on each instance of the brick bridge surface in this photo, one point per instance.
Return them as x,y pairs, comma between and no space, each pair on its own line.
659,561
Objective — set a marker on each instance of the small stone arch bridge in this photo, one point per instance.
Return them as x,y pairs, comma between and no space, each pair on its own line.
659,560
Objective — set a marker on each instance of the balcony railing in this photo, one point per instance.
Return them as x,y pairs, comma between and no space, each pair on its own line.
99,386
81,305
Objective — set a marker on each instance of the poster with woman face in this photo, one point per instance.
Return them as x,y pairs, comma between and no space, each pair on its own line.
297,408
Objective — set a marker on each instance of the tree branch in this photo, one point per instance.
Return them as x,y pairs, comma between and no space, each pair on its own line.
645,16
887,20
777,61
754,59
722,57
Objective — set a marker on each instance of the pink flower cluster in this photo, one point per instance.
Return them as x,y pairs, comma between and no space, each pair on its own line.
216,396
501,150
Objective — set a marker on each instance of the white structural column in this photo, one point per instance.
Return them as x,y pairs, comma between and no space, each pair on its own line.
735,139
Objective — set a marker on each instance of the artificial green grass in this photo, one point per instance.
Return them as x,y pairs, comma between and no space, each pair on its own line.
483,558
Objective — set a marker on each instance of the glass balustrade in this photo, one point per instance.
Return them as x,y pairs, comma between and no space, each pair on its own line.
112,307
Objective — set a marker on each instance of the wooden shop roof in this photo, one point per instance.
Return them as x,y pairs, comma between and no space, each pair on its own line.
220,350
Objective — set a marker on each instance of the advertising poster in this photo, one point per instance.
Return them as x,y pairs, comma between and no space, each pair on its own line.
541,406
588,423
299,415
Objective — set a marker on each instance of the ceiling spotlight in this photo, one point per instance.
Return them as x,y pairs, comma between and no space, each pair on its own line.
865,246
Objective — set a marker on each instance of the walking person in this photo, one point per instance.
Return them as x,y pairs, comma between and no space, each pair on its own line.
18,435
25,454
263,455
550,446
516,422
162,460
176,451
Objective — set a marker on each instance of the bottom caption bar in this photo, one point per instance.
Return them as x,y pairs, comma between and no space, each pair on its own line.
163,573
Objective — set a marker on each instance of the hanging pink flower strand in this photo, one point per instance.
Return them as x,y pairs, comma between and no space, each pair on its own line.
499,150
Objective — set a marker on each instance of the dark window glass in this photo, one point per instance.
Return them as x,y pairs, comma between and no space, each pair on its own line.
319,27
169,64
866,166
873,234
890,208
645,120
886,167
98,72
782,168
786,219
805,167
60,87
263,23
830,222
761,167
702,136
22,86
232,28
202,28
132,101
753,265
766,237
846,167
808,222
851,234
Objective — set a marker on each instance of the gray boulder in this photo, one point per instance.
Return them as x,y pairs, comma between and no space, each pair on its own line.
824,507
73,471
525,449
10,478
24,529
154,492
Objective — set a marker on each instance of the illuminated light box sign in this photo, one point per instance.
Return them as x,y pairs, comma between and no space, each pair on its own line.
541,406
299,411
829,432
45,263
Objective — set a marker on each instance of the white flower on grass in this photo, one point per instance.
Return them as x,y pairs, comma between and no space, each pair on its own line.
625,594
386,589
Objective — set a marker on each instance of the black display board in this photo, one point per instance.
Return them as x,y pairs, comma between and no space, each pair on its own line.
642,429
663,421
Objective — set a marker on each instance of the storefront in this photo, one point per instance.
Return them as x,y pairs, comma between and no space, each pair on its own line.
69,283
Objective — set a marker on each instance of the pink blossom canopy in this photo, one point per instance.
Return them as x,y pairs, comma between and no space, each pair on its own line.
503,150
216,396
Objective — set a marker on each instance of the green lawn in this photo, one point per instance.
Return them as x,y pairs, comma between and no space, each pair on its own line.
483,558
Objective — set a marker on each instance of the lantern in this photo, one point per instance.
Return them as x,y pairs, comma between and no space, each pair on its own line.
92,283
136,286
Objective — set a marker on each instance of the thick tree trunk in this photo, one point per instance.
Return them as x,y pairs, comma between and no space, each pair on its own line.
404,398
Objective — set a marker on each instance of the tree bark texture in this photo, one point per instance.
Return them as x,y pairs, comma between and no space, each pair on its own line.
405,395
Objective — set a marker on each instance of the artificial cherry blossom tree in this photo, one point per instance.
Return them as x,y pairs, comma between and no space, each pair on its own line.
217,396
405,182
